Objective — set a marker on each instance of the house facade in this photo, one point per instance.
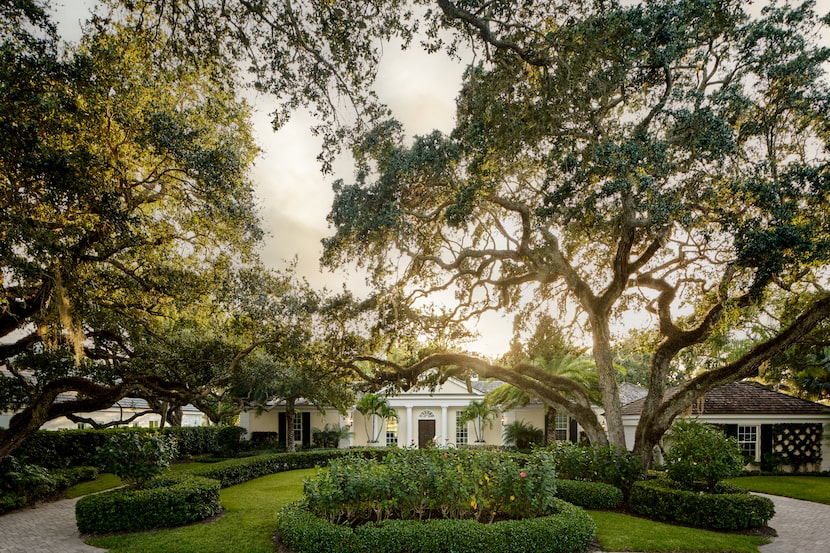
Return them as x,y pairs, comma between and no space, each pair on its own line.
424,417
122,410
774,430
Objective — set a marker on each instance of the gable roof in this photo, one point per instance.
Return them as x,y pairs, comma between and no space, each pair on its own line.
742,398
631,392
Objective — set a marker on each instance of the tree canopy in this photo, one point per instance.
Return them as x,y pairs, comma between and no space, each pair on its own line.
124,198
661,165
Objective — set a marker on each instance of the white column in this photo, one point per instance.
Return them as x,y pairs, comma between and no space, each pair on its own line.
444,425
409,436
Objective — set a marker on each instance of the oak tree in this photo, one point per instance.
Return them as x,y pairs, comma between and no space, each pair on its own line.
661,165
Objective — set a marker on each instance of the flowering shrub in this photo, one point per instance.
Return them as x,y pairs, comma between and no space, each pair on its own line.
434,484
700,455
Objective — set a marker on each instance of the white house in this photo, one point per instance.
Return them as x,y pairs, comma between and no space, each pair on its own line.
423,415
120,411
764,422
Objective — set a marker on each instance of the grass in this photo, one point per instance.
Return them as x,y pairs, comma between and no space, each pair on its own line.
107,481
246,527
619,532
250,510
808,488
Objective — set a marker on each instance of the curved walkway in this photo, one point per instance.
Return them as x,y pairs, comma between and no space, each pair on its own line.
46,528
802,527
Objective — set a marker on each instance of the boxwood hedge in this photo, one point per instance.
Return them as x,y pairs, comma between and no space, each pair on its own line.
71,448
569,530
589,495
734,509
171,500
237,471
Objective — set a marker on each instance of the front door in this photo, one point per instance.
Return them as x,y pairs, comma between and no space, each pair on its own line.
426,432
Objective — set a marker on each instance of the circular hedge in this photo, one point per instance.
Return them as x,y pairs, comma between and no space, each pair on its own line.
568,530
172,500
733,509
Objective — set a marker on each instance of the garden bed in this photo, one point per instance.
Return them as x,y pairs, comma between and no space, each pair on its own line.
568,530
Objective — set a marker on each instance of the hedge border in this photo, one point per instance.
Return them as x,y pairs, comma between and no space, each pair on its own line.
237,471
568,531
589,495
172,500
734,510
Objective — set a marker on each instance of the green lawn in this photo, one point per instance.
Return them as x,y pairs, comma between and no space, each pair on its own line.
246,526
250,510
106,481
619,532
808,488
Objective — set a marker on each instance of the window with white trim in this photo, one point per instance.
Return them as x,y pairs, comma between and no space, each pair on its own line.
561,423
298,428
748,440
391,431
461,431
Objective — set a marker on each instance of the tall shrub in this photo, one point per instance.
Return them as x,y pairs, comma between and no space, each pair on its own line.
136,458
701,455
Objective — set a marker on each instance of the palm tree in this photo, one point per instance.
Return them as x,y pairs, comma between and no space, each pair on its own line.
577,368
482,412
374,407
522,435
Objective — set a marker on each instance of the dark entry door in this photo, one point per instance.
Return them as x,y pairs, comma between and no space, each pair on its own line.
426,432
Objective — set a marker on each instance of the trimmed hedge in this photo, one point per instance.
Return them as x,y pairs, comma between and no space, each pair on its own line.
589,495
72,448
606,464
23,484
237,471
172,500
568,531
662,499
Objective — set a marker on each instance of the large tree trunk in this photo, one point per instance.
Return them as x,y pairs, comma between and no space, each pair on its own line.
290,413
550,424
659,412
607,380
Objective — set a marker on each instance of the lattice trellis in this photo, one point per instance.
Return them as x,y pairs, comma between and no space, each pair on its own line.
797,444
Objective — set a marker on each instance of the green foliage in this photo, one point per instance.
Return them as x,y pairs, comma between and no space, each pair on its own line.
523,435
567,531
589,495
136,458
797,445
236,471
22,484
725,508
70,448
701,455
125,199
374,408
227,438
171,500
424,484
330,436
607,464
481,413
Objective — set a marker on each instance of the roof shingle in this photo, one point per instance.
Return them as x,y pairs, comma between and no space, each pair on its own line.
745,398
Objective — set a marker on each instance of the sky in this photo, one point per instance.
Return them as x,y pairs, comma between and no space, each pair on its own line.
295,197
